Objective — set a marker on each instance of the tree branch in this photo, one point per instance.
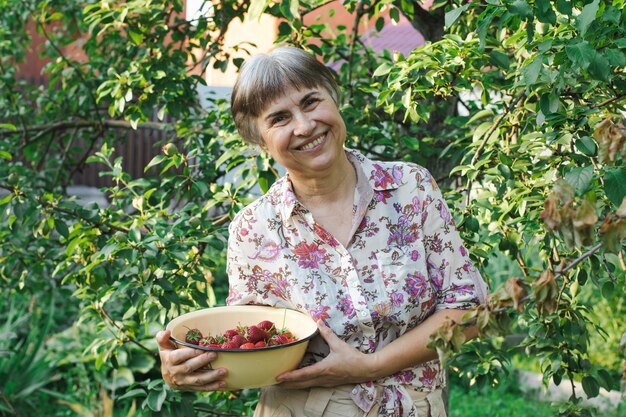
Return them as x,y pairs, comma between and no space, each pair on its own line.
76,68
80,123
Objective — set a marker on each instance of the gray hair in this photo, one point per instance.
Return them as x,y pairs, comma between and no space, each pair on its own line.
266,77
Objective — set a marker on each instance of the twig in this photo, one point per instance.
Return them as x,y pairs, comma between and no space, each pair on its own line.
607,101
319,6
76,68
128,338
488,134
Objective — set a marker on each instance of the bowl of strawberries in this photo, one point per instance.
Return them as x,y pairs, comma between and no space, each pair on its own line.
255,343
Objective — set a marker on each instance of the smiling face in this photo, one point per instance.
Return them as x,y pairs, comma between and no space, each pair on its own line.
303,131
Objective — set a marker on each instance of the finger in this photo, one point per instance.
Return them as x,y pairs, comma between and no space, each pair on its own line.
302,374
163,340
201,381
327,334
185,354
189,364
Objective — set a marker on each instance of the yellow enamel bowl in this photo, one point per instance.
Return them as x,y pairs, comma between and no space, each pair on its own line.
252,368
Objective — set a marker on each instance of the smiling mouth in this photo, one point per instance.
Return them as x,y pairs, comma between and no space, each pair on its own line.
313,144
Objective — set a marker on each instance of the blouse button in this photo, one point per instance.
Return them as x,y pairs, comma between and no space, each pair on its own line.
363,313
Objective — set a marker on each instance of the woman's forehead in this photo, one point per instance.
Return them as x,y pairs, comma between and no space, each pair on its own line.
291,96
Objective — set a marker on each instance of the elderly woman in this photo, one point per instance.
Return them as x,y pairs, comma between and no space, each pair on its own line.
366,248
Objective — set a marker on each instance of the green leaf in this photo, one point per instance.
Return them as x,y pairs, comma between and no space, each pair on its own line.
294,6
599,67
256,9
531,71
380,23
394,14
544,12
616,57
4,200
454,14
480,114
8,126
580,54
586,146
564,7
155,161
133,393
383,69
6,155
615,185
61,228
591,387
580,178
263,184
520,8
136,37
587,16
155,399
549,103
499,59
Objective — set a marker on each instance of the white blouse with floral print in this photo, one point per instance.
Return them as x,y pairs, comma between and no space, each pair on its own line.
405,260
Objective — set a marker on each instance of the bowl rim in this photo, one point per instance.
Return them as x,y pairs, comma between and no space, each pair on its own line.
263,349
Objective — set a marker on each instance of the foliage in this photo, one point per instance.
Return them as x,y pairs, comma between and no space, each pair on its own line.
522,103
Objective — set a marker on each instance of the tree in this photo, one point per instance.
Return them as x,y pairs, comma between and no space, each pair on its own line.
522,102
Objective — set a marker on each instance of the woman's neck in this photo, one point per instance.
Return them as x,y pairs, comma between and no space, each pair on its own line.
336,184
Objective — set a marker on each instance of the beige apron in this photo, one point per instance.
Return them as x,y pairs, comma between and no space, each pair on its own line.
336,402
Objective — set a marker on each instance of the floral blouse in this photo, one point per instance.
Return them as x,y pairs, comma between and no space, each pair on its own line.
404,261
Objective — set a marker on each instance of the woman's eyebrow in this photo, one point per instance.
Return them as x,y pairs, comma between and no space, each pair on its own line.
302,102
274,114
307,96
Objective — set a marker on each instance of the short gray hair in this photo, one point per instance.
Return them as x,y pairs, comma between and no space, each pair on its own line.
266,77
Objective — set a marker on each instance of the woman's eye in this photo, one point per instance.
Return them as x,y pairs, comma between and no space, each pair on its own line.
310,102
278,120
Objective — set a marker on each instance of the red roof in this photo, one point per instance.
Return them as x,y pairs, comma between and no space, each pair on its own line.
396,37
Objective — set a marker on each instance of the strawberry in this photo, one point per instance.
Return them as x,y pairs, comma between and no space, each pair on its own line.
260,344
247,346
266,325
256,334
238,339
229,345
280,339
193,336
230,333
286,333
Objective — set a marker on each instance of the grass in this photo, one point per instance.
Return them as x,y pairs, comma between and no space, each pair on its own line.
503,401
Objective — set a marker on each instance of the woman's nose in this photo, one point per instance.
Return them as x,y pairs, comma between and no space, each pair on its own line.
304,125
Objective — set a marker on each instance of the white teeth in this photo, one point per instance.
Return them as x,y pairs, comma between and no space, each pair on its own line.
313,144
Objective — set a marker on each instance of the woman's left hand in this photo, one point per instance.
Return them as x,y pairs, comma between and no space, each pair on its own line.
343,365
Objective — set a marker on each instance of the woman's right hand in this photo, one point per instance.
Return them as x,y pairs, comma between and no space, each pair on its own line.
185,368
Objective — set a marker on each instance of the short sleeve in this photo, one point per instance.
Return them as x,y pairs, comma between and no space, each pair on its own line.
458,283
250,281
237,268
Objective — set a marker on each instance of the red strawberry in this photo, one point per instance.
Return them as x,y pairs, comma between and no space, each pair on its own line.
281,339
256,334
286,333
266,325
230,333
260,344
229,345
247,346
193,336
238,339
